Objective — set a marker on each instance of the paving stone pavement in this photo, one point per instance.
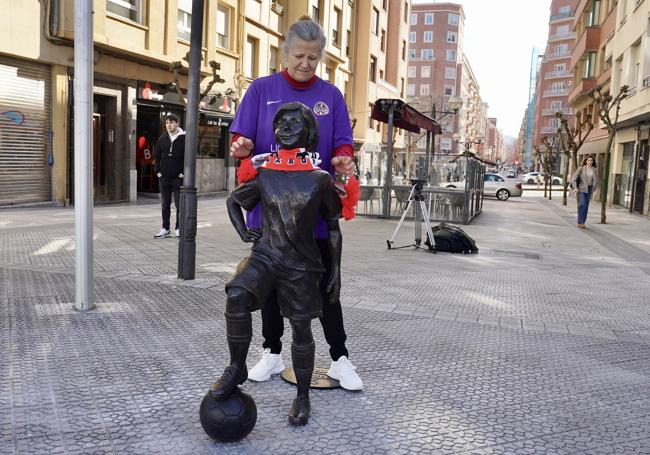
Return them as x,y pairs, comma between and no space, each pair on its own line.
537,344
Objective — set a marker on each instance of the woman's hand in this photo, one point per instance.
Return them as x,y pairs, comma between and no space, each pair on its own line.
343,165
241,148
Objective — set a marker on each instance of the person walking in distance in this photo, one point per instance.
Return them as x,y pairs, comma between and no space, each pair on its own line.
303,49
170,159
585,181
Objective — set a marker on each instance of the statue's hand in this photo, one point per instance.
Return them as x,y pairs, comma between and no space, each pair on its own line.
343,165
333,288
241,148
252,235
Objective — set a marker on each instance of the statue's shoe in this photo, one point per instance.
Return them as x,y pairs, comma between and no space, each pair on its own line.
300,411
232,376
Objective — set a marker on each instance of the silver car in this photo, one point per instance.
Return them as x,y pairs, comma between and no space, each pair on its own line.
495,185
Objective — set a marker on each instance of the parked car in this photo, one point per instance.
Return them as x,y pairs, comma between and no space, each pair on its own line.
538,177
495,185
511,174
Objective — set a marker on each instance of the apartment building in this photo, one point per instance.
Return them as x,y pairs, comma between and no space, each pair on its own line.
379,67
472,116
594,24
555,77
435,65
629,52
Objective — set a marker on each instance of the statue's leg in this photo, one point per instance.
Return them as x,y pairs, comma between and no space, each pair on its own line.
239,330
302,354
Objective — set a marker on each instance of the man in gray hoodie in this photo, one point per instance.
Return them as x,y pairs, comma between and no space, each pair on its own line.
170,159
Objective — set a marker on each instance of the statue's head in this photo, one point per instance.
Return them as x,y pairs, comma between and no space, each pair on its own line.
295,126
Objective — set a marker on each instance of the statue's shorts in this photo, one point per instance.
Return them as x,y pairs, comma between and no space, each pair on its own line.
298,291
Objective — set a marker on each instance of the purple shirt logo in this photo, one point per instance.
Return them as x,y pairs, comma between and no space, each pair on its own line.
320,108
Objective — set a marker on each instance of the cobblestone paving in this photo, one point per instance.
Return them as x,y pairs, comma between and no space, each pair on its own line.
538,344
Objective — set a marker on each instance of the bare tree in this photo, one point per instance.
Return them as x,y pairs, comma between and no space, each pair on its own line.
410,152
571,139
546,160
606,103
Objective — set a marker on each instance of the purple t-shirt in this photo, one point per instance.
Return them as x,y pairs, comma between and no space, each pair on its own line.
254,120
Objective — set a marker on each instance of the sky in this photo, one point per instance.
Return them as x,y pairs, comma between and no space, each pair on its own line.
498,42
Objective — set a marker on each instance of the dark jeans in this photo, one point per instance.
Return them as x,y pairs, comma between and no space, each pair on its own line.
167,188
332,320
583,204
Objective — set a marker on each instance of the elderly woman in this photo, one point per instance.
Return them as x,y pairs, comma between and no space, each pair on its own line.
253,133
585,181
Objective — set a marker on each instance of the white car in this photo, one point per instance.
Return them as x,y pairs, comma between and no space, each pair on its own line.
495,185
538,177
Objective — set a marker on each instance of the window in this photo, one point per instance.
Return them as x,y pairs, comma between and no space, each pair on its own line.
425,71
557,87
381,75
590,65
561,49
451,55
559,67
556,105
184,25
445,144
428,37
348,39
450,73
428,18
406,10
424,89
410,90
336,27
451,37
250,58
373,68
413,37
452,19
562,29
128,9
315,13
426,54
382,41
414,19
273,60
449,90
223,27
412,71
412,54
375,21
564,9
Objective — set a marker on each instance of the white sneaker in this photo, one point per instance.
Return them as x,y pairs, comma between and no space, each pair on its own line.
267,366
177,233
164,233
343,371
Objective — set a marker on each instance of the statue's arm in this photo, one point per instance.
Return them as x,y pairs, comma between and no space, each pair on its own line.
237,219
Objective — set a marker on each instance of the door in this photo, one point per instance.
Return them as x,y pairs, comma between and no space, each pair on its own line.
641,177
99,157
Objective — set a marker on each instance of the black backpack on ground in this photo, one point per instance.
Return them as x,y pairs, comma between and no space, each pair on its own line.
452,239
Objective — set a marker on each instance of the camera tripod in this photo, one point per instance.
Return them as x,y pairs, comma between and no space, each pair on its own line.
420,214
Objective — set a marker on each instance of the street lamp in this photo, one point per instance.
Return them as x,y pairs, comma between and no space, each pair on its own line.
454,103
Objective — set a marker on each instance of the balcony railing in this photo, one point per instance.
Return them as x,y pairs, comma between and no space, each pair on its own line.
563,110
556,56
562,36
557,17
548,129
556,92
555,74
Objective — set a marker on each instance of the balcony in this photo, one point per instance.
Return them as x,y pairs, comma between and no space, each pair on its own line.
562,16
589,41
548,129
557,74
562,36
555,92
563,110
581,88
560,55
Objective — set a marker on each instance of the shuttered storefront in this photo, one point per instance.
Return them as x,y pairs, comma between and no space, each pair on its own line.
24,132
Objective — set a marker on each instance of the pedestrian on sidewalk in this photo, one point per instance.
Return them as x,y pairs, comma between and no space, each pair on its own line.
303,49
585,181
170,161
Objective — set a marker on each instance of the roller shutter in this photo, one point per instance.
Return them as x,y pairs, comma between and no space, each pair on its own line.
24,132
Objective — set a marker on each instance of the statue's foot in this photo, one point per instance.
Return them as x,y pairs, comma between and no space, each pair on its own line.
232,376
300,410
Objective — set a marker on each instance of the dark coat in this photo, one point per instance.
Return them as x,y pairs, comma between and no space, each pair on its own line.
170,156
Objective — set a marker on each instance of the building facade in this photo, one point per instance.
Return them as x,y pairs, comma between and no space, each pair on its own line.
555,77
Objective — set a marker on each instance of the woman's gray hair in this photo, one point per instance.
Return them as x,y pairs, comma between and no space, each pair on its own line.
304,29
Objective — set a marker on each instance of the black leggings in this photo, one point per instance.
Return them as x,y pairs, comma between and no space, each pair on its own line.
332,320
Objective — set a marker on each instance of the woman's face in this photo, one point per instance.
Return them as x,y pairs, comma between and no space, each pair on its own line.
302,59
589,162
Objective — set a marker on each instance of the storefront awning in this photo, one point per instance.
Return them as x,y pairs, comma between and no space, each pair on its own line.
404,116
